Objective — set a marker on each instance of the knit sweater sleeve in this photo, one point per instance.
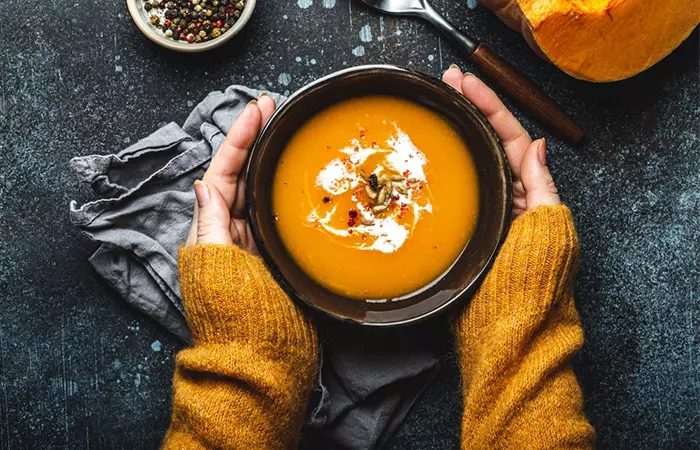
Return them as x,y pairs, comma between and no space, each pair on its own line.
245,381
516,340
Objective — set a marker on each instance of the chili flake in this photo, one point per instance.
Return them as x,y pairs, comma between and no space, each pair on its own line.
352,213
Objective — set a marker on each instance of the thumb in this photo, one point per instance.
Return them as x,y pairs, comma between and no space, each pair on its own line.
538,183
214,218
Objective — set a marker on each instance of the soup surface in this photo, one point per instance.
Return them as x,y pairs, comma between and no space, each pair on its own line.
375,197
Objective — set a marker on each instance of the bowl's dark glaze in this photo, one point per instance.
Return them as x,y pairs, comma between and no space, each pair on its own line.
465,275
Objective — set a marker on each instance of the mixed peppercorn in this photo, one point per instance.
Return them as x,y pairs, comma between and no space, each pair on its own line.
194,20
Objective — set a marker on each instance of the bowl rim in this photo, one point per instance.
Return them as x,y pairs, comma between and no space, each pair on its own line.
156,37
272,265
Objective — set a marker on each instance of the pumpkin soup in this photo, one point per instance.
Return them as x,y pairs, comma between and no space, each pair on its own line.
375,197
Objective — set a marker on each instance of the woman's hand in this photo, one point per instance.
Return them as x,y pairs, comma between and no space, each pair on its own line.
533,185
219,213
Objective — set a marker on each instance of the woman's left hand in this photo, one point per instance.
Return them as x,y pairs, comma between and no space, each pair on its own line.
219,212
533,185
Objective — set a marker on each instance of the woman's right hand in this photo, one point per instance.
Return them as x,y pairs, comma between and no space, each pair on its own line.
219,212
533,185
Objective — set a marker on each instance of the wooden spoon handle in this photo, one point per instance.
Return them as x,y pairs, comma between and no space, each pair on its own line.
526,94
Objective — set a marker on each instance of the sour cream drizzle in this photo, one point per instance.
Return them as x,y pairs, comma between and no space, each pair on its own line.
339,177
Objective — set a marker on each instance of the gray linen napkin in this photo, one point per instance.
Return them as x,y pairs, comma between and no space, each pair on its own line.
142,218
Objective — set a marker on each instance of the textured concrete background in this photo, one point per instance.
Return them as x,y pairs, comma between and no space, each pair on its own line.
79,369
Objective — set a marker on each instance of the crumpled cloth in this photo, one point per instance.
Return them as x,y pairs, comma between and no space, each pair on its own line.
369,378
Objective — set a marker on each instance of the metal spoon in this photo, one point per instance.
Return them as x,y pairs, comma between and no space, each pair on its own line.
523,91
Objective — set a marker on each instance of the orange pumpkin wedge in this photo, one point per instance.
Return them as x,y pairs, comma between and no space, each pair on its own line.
601,40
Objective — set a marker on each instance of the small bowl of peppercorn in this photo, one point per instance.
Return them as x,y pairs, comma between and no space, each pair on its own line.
190,26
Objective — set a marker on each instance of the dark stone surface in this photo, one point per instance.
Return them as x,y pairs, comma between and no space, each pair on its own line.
79,369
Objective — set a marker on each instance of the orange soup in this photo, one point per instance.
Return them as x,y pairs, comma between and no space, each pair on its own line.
375,197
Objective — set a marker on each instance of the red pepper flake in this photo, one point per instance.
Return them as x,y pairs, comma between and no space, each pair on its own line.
285,183
365,292
350,231
362,133
396,196
352,213
405,173
329,147
351,222
364,237
374,143
435,246
420,186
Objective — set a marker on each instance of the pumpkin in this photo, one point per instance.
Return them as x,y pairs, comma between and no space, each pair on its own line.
600,40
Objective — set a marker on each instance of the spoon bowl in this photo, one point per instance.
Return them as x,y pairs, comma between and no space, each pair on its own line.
402,7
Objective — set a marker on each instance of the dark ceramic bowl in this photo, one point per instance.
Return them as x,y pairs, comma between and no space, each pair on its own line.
460,281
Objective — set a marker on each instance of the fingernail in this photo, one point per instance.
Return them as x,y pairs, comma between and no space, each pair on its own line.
252,102
201,191
454,66
469,74
542,151
263,94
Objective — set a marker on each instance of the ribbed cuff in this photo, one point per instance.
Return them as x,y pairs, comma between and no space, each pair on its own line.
229,295
535,266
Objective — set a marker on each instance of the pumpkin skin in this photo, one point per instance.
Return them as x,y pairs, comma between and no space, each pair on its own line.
600,40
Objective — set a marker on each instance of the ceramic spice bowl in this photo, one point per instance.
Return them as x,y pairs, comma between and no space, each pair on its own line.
462,279
142,19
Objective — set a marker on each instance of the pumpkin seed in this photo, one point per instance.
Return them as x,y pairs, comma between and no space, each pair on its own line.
401,189
383,179
380,208
397,178
367,221
413,180
370,193
382,195
389,186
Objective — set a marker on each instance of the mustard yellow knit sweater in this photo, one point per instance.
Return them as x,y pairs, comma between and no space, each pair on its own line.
245,382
